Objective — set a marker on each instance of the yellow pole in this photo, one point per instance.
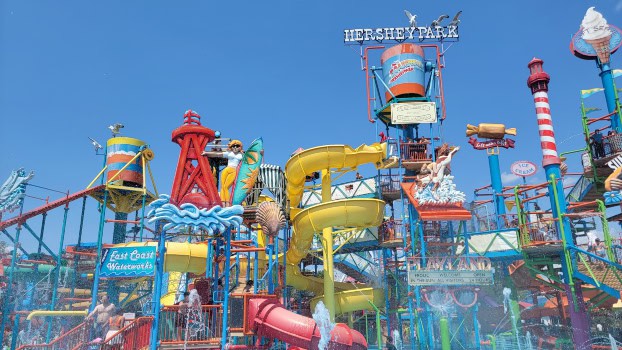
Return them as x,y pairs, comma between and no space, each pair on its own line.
327,235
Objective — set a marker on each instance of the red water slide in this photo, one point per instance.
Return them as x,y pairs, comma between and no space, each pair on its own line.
268,318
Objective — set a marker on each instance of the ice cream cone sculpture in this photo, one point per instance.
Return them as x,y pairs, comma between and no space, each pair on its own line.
597,33
489,131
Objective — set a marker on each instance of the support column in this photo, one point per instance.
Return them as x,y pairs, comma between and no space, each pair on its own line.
476,334
327,240
611,95
155,326
497,186
100,236
444,330
538,83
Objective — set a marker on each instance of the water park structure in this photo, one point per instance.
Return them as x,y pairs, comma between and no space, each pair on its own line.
242,254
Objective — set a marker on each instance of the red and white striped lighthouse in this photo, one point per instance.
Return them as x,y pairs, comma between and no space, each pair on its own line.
539,83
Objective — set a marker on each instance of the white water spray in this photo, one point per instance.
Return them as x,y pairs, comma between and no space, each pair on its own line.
507,292
321,316
397,339
194,317
528,341
614,344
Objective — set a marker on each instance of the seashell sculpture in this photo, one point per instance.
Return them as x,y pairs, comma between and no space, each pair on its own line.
271,218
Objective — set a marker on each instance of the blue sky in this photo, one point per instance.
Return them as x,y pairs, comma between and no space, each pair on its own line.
276,69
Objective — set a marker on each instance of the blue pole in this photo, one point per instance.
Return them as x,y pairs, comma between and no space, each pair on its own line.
285,247
98,263
430,325
409,294
610,95
497,186
157,294
15,332
6,309
57,279
476,328
225,304
256,269
387,302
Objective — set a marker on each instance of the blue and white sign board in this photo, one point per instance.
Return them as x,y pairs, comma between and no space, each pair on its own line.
523,168
122,262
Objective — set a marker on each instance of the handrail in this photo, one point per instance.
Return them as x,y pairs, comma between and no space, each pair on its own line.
114,341
62,340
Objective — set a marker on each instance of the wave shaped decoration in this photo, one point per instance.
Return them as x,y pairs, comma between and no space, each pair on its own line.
215,220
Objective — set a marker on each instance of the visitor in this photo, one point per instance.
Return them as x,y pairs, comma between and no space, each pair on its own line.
383,137
390,345
597,142
359,176
599,248
115,324
249,286
102,312
182,315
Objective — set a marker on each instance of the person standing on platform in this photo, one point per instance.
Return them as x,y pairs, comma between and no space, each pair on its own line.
102,313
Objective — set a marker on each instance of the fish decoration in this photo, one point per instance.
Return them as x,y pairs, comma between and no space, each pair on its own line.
248,172
271,218
489,131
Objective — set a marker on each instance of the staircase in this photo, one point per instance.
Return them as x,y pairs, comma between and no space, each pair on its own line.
73,339
583,191
356,267
599,272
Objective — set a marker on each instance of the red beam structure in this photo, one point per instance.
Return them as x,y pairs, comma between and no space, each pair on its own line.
194,182
47,207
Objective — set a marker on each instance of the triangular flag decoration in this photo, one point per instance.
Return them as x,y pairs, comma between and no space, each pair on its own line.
617,72
589,110
590,92
509,205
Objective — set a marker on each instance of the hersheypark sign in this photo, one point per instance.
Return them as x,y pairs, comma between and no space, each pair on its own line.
436,30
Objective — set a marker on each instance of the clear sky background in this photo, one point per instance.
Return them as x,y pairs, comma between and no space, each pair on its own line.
276,69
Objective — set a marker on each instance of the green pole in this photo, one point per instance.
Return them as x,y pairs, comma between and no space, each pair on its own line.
586,131
493,341
378,325
445,340
607,235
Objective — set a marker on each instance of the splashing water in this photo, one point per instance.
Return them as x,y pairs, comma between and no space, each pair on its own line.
194,317
321,316
506,299
528,341
397,339
614,344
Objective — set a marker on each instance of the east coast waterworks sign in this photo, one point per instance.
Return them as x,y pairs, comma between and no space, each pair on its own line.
128,262
450,271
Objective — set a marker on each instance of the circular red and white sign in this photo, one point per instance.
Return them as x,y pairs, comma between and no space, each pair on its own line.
523,168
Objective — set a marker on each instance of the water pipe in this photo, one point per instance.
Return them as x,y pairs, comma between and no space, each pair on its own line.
40,313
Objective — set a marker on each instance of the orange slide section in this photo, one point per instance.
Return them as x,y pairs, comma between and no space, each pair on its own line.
268,318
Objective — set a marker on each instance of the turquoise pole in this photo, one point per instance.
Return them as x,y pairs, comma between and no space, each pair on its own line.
100,236
57,273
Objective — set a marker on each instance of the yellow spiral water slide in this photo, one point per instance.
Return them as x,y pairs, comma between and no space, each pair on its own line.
355,213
